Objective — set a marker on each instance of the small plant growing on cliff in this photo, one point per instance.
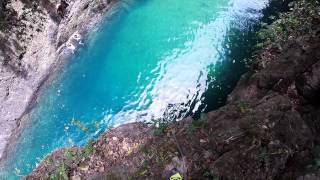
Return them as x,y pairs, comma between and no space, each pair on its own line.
243,107
161,126
197,124
111,176
70,155
61,173
291,24
88,150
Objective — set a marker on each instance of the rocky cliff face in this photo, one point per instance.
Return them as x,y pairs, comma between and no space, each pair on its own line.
269,128
36,37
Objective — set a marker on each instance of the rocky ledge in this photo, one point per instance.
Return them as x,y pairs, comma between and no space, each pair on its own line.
269,128
36,37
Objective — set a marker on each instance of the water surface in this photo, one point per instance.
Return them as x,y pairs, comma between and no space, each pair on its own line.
154,57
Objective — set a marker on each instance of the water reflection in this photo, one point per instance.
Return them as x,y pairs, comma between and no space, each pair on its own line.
184,75
153,61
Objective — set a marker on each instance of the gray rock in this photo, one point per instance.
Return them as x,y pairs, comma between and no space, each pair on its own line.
28,61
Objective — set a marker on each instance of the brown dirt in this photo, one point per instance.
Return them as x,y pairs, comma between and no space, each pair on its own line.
269,129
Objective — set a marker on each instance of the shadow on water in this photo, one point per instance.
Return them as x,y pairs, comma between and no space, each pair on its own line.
111,73
224,75
239,46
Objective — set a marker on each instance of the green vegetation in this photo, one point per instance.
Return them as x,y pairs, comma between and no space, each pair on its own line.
111,176
244,107
161,125
290,25
88,149
197,124
61,173
259,128
70,155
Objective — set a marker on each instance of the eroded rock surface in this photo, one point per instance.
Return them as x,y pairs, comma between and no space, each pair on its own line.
269,129
36,38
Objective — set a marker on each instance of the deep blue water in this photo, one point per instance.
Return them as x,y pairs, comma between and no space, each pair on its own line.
156,57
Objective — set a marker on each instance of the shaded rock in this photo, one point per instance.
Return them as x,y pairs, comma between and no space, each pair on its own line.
308,84
269,129
272,132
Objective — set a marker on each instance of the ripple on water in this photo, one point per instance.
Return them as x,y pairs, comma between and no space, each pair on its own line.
157,57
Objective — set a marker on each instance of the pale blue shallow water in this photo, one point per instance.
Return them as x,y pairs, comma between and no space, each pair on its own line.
156,56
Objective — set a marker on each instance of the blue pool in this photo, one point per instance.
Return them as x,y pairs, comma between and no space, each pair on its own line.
154,58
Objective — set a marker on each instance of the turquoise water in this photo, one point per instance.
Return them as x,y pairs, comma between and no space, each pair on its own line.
153,57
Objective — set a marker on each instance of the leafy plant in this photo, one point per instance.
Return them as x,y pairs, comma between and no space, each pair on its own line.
61,173
243,107
161,126
290,25
88,150
70,155
197,124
